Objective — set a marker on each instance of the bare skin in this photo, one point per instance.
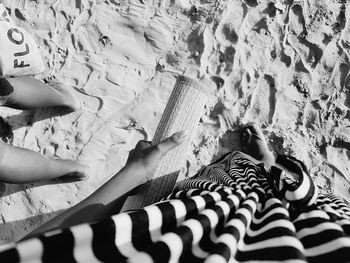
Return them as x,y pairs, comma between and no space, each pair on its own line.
24,166
142,163
29,93
254,144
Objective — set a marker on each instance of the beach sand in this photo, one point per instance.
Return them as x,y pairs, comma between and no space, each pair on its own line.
281,64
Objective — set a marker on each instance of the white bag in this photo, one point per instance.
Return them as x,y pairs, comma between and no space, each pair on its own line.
19,54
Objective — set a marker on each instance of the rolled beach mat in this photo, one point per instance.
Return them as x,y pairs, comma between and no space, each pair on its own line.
182,112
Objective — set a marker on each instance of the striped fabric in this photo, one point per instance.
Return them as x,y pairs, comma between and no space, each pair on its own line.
228,213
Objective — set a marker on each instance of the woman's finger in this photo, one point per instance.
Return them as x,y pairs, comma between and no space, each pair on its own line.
142,145
172,141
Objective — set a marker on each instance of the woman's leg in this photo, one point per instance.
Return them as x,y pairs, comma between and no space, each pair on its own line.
21,166
29,93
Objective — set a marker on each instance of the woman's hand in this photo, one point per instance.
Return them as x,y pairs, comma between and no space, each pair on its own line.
146,157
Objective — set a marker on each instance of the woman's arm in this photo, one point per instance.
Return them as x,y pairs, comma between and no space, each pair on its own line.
20,166
142,162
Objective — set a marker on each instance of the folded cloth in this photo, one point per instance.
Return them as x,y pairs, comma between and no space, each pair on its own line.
228,213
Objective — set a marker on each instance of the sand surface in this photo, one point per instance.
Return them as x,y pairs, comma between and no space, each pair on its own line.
282,63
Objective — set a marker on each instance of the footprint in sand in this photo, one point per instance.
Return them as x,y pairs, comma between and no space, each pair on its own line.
76,99
309,53
311,116
89,103
195,44
345,39
338,159
104,107
263,101
332,72
228,30
345,96
250,3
